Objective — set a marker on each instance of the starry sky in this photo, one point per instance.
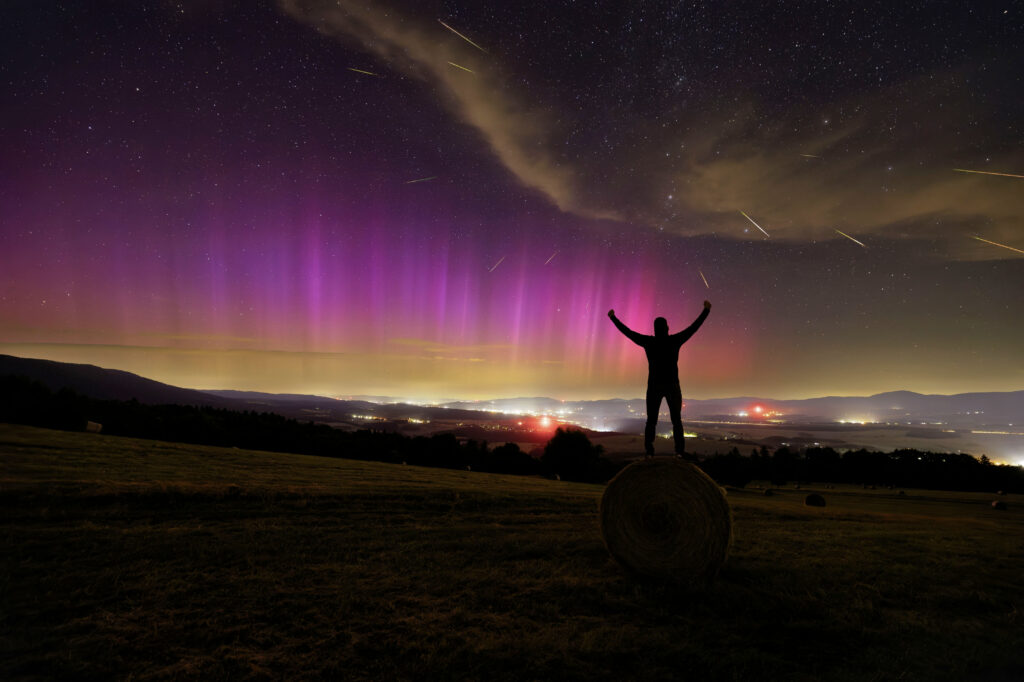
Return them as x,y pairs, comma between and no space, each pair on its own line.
443,199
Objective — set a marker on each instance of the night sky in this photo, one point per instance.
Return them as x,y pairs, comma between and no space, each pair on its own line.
350,198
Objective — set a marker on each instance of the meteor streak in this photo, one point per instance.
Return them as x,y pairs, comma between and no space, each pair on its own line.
491,269
1005,175
551,258
851,238
432,177
755,224
462,67
368,73
811,156
997,244
704,278
461,36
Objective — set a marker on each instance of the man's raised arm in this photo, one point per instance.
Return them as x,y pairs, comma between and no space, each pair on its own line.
685,335
636,338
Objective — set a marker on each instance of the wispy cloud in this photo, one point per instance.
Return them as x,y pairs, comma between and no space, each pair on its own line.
518,131
875,168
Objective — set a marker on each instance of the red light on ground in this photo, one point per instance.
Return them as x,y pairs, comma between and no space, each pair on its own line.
545,422
758,409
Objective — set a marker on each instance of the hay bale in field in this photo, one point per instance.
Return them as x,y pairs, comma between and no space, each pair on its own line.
814,500
998,504
93,427
666,519
1000,492
768,492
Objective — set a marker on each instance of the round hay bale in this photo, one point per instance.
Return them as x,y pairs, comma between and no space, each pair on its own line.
814,500
768,492
666,519
998,504
1000,492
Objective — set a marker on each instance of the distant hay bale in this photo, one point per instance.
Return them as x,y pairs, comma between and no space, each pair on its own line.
814,500
1000,492
666,519
93,427
768,492
998,504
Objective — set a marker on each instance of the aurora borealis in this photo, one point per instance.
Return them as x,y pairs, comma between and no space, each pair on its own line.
220,195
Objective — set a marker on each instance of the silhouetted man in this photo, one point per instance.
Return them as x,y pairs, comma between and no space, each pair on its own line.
663,373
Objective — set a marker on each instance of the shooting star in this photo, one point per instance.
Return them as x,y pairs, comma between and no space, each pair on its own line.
705,279
491,269
755,224
462,36
462,67
551,258
432,177
997,244
1005,175
851,238
368,73
811,156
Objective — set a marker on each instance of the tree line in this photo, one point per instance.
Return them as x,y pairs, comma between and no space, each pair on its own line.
906,468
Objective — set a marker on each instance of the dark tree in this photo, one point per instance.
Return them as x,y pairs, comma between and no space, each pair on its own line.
570,454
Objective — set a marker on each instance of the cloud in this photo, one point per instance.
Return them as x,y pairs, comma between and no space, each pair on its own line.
882,165
519,132
855,181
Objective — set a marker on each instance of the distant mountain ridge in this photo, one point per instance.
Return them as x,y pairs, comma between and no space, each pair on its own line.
105,384
112,384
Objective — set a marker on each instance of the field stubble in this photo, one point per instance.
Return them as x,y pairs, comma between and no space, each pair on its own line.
131,558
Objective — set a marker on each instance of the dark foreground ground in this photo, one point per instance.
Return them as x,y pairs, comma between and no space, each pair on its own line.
137,559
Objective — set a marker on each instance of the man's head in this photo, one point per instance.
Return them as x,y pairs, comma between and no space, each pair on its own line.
660,326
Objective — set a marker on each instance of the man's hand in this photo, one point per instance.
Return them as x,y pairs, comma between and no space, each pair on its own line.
611,314
707,305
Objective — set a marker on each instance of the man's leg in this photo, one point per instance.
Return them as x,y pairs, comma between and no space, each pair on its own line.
674,398
653,405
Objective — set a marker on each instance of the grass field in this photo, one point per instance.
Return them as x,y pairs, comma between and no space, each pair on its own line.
139,559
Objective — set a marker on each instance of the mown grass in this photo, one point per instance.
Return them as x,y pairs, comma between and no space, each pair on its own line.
138,559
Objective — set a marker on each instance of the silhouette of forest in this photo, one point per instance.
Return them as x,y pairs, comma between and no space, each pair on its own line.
569,454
